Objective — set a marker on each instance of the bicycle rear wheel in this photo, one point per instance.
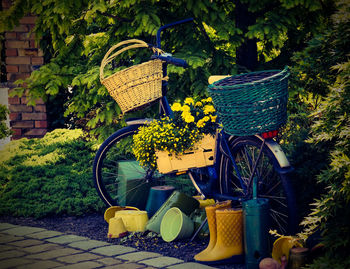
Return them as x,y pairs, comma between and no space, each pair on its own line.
116,173
271,183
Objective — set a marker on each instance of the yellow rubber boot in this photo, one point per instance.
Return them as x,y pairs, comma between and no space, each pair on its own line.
210,211
229,242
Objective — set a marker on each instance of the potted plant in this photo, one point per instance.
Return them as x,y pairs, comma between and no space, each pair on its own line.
176,144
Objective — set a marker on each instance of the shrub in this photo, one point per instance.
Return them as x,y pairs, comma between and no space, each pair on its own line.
4,130
48,176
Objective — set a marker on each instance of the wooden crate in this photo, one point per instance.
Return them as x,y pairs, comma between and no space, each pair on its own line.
201,156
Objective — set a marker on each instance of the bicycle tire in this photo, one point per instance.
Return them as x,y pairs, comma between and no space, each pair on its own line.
272,184
112,186
107,163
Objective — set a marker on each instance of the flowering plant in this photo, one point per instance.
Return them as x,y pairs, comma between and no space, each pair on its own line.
191,121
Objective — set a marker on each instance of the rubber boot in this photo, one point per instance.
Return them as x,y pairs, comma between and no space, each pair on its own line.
229,242
210,211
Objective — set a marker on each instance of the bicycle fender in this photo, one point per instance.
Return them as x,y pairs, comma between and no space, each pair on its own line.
138,121
277,152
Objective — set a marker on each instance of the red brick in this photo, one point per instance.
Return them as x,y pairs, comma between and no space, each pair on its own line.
10,35
36,132
18,60
28,52
11,52
33,44
39,101
15,116
24,68
41,124
20,108
12,68
40,53
14,76
22,124
14,100
21,28
37,60
16,132
40,108
25,36
6,4
28,20
34,116
16,44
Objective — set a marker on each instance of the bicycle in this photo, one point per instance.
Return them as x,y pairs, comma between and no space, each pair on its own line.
245,166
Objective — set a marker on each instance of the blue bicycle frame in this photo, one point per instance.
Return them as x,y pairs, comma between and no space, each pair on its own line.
222,148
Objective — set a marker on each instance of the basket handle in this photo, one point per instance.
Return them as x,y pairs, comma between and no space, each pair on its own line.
135,43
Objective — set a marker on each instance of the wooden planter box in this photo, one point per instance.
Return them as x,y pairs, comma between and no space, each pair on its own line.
201,156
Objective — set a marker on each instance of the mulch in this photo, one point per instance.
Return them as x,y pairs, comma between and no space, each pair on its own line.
95,227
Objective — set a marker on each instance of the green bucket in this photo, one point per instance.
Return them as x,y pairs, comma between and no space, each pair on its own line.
185,203
175,225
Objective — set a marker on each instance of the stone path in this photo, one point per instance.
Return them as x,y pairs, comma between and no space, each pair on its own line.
26,247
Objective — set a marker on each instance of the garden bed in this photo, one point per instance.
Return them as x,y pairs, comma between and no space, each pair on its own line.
94,227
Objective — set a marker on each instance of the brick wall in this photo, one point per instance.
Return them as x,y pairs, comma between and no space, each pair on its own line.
22,57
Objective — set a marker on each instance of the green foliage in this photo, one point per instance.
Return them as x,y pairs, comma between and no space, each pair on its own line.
4,130
48,176
82,31
331,211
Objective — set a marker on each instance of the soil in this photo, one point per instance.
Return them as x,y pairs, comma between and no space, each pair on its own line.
95,227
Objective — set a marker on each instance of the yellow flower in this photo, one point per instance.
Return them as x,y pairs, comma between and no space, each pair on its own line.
189,101
186,108
208,109
200,123
206,118
198,103
189,118
176,107
213,118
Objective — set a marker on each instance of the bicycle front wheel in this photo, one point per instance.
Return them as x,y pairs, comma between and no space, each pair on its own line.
118,178
271,184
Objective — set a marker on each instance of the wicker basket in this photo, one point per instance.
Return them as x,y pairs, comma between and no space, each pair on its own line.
251,103
201,156
137,85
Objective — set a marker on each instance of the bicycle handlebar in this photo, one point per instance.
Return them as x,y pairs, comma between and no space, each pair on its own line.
171,60
169,26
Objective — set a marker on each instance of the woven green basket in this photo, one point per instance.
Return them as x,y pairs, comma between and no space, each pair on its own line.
252,103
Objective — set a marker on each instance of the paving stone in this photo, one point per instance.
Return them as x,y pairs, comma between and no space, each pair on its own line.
24,230
15,262
88,244
41,248
161,261
190,265
82,265
138,256
6,247
53,253
113,250
66,239
11,254
26,243
79,258
45,234
125,266
109,261
41,265
6,226
6,238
